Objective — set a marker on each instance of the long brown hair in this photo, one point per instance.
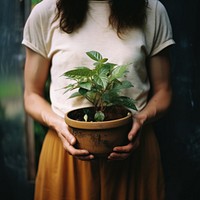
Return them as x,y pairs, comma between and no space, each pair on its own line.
124,14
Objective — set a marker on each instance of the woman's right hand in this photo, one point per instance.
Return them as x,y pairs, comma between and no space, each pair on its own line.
35,76
68,141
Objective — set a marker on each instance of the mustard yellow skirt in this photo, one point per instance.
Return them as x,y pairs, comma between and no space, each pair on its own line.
63,177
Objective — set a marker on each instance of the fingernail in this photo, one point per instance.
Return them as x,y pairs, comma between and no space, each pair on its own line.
72,141
115,149
110,156
130,137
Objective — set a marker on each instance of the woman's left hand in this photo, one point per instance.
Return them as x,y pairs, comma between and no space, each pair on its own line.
123,152
159,71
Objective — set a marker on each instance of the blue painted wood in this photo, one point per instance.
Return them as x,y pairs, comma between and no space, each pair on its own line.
13,162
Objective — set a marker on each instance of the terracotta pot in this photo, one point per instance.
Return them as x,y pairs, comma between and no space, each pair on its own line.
99,138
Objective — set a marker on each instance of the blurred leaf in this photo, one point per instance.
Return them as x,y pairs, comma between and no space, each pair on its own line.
99,116
118,72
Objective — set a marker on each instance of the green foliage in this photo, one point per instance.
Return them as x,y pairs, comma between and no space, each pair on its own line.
34,2
101,85
9,88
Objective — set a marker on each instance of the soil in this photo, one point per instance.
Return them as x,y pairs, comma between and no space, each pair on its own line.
111,113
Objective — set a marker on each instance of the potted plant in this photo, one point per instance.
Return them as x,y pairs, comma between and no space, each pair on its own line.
106,124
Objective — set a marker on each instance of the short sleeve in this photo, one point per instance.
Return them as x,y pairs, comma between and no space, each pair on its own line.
163,36
35,30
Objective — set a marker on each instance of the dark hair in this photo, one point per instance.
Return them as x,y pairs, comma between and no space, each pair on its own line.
124,14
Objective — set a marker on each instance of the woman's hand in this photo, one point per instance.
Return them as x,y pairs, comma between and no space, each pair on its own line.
68,141
123,152
159,73
37,106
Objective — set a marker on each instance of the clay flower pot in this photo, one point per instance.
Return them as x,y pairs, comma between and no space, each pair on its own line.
99,138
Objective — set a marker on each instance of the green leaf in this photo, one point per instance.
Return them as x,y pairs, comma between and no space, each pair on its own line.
106,66
82,91
86,85
78,73
103,60
109,96
70,87
101,80
91,96
75,94
118,86
94,55
118,72
99,116
125,101
105,69
110,65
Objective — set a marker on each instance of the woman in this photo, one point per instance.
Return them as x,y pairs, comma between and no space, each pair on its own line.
56,37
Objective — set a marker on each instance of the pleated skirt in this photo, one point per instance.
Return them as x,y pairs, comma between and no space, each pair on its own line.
60,176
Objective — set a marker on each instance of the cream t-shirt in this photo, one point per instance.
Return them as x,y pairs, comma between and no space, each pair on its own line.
67,51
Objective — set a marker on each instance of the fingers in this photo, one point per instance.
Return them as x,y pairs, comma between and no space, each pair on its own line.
64,134
119,153
135,129
117,156
68,140
123,152
85,158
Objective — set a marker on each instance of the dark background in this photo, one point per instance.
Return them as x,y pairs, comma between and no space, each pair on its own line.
178,132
